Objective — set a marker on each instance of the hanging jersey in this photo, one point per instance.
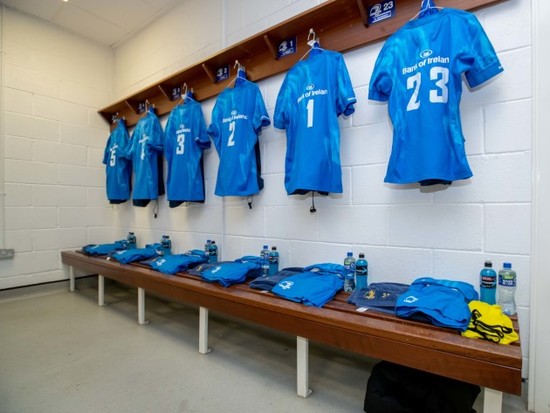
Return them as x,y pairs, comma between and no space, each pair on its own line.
118,169
314,93
419,72
185,139
237,118
146,154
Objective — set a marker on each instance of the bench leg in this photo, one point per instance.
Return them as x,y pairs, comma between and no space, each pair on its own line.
302,374
100,290
492,401
141,307
203,331
71,279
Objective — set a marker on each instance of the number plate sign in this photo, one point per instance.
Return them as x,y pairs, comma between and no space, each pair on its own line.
287,47
381,11
222,73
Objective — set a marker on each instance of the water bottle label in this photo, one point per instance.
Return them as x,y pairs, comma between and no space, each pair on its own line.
506,281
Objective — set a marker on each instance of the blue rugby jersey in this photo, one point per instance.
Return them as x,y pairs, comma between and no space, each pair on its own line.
145,148
237,119
314,93
118,169
185,139
419,72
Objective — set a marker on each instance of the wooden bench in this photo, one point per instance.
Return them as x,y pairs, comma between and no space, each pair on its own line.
494,367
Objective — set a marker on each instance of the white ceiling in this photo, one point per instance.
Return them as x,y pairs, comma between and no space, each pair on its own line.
108,22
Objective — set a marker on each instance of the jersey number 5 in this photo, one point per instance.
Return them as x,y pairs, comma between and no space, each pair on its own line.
440,76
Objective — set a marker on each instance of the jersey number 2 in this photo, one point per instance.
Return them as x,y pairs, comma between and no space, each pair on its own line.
438,74
231,140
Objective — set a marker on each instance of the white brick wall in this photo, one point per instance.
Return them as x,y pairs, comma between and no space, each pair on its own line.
54,84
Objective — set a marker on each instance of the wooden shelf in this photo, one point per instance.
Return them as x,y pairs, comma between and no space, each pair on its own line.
339,24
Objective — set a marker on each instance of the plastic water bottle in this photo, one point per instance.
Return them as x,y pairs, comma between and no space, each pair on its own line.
207,247
213,253
273,261
132,242
264,260
165,245
361,271
507,289
488,283
349,269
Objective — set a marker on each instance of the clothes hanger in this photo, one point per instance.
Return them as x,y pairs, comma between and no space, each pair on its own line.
241,74
427,8
186,93
313,42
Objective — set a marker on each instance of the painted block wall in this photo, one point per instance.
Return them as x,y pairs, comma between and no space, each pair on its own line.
53,85
405,231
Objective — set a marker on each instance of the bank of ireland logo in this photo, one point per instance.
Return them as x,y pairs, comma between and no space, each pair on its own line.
410,299
425,53
234,112
310,87
285,285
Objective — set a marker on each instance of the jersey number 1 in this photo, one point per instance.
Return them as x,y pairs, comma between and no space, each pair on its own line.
310,107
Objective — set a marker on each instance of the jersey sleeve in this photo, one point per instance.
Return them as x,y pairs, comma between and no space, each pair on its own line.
480,60
381,82
201,134
106,152
346,95
168,138
214,128
261,118
157,135
280,117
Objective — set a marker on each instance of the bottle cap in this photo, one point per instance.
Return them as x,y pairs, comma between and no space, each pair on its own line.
361,255
274,248
488,263
350,254
507,265
212,242
265,247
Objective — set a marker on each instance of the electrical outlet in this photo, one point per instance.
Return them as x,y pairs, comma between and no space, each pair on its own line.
6,253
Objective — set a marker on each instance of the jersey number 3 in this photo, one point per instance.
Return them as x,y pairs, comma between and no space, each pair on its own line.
440,94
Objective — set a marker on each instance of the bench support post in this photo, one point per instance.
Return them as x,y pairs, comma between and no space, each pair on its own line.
71,279
100,290
302,360
492,401
203,330
141,307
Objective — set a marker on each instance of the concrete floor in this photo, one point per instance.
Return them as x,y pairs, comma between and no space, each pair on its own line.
60,352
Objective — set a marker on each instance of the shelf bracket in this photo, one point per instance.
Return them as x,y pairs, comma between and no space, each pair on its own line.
271,47
363,11
209,73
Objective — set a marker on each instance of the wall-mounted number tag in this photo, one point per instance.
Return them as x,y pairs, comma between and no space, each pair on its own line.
176,93
287,47
142,107
222,73
381,11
